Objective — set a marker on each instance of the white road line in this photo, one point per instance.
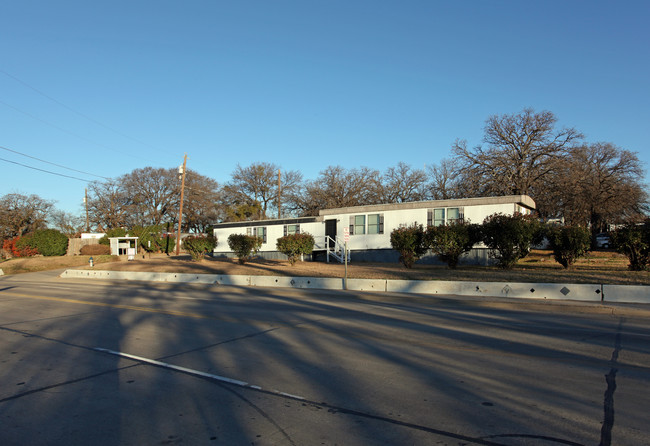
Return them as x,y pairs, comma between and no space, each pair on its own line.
166,365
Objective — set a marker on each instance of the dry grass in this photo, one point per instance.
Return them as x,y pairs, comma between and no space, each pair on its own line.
599,267
35,264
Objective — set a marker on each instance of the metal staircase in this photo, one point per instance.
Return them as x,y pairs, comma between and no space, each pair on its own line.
336,249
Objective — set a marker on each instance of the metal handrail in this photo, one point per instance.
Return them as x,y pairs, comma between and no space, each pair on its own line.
338,247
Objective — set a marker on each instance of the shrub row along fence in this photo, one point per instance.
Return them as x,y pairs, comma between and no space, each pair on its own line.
75,245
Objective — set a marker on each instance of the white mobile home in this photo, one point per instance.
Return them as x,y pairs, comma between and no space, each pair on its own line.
368,228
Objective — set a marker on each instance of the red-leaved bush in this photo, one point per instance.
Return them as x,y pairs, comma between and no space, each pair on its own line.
13,247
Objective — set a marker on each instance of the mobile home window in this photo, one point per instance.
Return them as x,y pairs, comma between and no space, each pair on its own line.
438,217
259,232
453,215
376,224
444,216
357,224
291,229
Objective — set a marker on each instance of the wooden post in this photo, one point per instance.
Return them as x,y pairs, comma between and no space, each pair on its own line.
279,195
346,265
86,203
180,211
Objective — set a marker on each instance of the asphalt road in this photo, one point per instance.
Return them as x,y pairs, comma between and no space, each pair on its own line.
100,363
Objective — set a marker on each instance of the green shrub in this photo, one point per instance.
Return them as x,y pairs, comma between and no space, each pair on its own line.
164,243
150,238
95,250
295,245
18,247
199,245
116,232
410,242
450,242
48,242
153,238
568,243
634,241
145,236
510,237
244,246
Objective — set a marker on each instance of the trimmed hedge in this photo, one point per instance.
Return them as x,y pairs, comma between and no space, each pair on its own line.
450,242
244,246
15,247
48,242
95,250
634,241
199,245
295,245
568,243
410,242
510,237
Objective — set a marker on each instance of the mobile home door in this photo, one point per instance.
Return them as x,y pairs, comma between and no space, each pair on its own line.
330,231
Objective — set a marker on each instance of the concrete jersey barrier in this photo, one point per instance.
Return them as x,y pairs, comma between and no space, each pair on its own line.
551,291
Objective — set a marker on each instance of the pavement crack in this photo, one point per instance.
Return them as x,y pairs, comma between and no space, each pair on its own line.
537,437
239,338
49,318
608,403
216,344
65,383
259,410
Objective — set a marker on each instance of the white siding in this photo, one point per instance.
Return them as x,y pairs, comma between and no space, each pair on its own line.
475,210
273,233
476,214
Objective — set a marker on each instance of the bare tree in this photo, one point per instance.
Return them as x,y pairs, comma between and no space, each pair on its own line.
401,184
21,214
108,205
255,184
290,187
256,187
522,150
69,224
153,193
445,180
599,184
201,206
337,187
150,197
235,211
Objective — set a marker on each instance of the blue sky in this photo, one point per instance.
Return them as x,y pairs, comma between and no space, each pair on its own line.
108,87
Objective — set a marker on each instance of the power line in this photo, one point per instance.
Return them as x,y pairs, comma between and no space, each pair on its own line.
46,171
201,190
77,112
61,129
53,164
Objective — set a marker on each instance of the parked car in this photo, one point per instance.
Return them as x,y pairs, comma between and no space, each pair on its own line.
603,240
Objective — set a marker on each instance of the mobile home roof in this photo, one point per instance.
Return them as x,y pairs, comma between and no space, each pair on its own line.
523,200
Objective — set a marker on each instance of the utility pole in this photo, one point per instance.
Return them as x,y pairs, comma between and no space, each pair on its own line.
86,203
279,195
181,170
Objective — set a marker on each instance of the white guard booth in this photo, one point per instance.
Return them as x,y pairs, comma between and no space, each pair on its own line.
124,246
